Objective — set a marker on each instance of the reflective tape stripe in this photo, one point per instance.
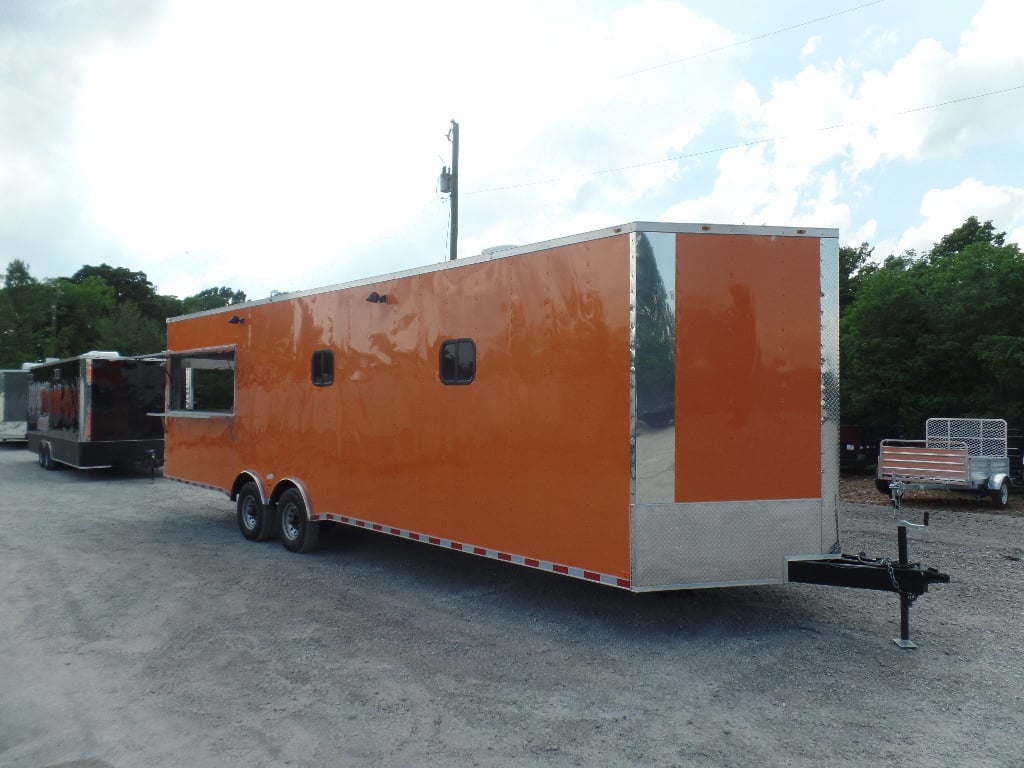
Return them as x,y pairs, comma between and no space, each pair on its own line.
493,554
193,483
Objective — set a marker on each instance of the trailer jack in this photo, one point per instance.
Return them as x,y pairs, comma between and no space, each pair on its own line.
908,580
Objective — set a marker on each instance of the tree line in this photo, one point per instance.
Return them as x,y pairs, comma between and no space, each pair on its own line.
97,308
933,334
939,334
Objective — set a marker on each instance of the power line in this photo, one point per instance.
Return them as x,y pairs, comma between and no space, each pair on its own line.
739,145
710,51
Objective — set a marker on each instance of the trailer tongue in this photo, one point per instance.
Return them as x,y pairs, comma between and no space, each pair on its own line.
908,580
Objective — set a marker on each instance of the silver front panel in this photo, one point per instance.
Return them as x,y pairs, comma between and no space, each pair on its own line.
678,546
675,546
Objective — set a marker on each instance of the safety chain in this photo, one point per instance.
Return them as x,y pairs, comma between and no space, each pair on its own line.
908,596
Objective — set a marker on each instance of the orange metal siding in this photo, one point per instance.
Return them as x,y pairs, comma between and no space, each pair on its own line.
531,458
748,394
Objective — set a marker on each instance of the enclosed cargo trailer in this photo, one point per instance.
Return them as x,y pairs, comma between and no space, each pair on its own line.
13,404
650,406
94,411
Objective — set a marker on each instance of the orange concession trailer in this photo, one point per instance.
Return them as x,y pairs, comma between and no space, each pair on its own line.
649,406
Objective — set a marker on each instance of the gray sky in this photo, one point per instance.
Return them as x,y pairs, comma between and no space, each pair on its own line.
287,145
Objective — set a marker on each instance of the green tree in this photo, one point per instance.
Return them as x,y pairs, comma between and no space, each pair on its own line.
937,335
83,311
165,307
212,298
98,308
971,232
126,284
878,331
127,331
26,317
853,266
977,320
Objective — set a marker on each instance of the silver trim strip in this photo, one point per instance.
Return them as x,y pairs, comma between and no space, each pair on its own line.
830,415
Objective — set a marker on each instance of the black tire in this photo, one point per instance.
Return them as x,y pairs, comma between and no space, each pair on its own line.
1001,495
298,533
46,458
255,521
883,486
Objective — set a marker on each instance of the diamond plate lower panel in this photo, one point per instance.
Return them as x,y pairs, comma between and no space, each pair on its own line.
723,543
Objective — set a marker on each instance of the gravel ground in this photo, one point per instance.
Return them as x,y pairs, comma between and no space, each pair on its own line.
140,629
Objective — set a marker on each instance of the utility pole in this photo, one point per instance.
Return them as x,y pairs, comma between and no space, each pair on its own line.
450,185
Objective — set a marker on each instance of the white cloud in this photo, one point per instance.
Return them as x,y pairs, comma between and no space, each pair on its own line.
261,147
258,142
865,233
811,47
994,36
306,135
833,122
876,39
945,209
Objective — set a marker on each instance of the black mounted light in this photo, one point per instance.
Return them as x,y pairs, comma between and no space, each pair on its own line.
236,320
377,298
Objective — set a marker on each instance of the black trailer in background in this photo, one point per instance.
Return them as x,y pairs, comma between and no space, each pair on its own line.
96,410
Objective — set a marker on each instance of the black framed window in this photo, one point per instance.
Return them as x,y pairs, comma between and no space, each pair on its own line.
202,380
458,361
323,368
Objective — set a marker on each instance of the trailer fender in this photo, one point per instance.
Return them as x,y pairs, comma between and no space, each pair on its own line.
995,482
999,490
291,482
248,476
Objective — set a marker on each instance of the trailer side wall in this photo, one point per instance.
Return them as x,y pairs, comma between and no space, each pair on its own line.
531,457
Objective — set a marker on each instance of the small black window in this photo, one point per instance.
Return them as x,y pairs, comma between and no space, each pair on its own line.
458,361
323,368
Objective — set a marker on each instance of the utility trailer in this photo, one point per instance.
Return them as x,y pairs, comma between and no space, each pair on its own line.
13,404
649,406
93,411
963,455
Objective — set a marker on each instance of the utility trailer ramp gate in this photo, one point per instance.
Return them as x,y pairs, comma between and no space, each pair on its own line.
956,455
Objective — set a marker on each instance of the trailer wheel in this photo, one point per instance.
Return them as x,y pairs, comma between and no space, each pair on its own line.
298,532
1001,496
883,486
45,458
255,521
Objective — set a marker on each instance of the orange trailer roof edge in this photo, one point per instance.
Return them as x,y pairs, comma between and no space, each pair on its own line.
648,406
515,250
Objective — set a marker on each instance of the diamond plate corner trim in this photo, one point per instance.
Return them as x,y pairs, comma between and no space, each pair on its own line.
830,409
718,543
